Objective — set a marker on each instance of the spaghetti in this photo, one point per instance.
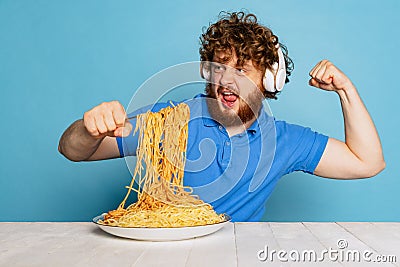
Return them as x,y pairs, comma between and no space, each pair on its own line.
163,200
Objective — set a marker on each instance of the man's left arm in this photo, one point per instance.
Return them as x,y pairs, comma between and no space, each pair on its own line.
361,154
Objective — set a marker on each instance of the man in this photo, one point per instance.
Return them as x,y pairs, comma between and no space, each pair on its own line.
251,150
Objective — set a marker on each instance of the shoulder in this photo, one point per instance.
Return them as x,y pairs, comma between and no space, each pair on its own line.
293,133
301,146
284,128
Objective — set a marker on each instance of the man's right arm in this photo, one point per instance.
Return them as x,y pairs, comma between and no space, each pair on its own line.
94,136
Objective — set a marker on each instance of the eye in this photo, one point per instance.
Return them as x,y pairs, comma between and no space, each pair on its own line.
241,71
218,68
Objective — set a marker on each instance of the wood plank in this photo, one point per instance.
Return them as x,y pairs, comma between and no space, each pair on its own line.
389,227
333,237
382,238
65,244
217,249
165,253
297,239
251,239
83,244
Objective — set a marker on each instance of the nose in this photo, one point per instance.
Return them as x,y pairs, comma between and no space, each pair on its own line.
227,76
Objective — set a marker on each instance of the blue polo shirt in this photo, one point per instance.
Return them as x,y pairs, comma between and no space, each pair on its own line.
237,174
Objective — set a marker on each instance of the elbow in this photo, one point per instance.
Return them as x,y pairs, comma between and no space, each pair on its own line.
374,169
67,155
60,150
380,167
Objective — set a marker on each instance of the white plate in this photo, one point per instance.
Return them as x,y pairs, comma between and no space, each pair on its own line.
160,234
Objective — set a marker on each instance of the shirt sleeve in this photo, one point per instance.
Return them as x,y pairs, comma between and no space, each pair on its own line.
303,147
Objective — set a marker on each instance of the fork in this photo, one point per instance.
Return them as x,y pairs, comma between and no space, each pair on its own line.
132,117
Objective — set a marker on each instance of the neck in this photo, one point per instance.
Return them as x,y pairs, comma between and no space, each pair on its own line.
234,130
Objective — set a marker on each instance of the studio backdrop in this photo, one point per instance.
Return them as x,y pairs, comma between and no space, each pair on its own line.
58,59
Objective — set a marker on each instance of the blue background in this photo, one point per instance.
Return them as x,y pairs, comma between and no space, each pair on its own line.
61,58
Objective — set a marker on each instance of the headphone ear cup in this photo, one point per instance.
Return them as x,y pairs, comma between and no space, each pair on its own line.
274,81
269,81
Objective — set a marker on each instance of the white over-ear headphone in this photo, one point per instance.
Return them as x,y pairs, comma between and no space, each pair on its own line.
273,81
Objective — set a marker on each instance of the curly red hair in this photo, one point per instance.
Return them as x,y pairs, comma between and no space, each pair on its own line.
240,33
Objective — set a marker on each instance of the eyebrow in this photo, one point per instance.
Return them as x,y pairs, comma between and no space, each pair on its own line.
223,60
247,65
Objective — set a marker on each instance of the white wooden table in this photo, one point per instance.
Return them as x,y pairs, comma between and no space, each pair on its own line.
239,244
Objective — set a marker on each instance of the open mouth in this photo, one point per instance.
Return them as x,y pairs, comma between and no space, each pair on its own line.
228,97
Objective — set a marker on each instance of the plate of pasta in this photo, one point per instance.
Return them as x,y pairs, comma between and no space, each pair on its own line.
165,209
160,233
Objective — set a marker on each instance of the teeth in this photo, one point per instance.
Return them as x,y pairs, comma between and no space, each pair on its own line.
227,93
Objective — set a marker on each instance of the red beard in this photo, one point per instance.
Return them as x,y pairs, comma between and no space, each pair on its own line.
249,108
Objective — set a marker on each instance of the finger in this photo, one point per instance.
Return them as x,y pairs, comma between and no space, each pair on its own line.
324,86
101,126
329,73
313,82
320,73
119,114
311,73
90,125
312,70
327,78
123,131
315,69
109,121
127,130
118,132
